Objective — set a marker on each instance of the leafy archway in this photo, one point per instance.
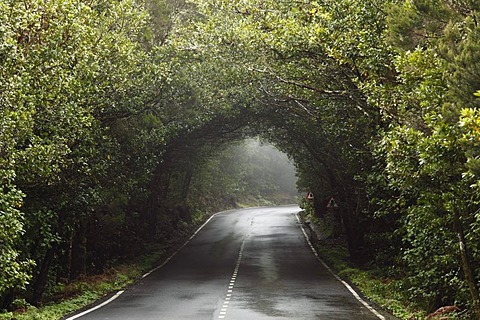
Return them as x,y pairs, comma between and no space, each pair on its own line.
104,106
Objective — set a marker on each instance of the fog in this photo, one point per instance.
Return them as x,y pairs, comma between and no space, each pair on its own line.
267,170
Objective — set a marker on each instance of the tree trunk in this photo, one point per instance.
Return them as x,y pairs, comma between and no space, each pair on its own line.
466,266
7,298
79,253
42,277
158,189
352,231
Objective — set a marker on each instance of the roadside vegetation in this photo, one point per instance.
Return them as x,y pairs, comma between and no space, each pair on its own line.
77,294
120,119
385,290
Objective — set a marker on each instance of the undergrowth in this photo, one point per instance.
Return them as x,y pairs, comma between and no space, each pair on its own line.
78,294
386,292
73,296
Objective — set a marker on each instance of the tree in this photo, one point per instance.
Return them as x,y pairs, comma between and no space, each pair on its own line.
425,164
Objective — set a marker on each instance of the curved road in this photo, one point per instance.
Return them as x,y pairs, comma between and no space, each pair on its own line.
243,264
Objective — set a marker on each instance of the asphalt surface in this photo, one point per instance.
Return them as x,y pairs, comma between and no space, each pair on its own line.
243,264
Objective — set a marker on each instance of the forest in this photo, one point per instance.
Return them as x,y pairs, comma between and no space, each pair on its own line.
120,122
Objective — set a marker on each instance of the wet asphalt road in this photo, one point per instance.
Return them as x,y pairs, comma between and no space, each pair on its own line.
243,264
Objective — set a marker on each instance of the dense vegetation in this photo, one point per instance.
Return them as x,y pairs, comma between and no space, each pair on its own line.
116,114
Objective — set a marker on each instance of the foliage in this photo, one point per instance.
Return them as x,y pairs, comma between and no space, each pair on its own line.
375,284
116,116
15,271
362,96
83,292
70,68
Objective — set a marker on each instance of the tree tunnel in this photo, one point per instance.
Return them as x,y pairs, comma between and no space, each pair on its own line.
327,161
101,142
109,109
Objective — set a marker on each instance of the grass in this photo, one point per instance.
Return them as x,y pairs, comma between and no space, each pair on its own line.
85,291
88,289
78,294
387,293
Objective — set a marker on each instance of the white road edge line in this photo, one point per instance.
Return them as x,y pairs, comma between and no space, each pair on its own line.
148,273
96,307
183,246
352,291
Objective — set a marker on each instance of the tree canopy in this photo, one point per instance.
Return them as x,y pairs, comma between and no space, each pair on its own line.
123,115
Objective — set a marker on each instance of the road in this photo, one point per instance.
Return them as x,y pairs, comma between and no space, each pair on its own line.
243,264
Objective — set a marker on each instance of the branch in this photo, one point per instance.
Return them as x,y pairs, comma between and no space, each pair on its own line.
301,85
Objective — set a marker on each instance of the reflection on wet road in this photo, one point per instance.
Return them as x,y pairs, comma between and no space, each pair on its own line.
243,264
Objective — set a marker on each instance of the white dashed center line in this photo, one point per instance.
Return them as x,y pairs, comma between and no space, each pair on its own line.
231,286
